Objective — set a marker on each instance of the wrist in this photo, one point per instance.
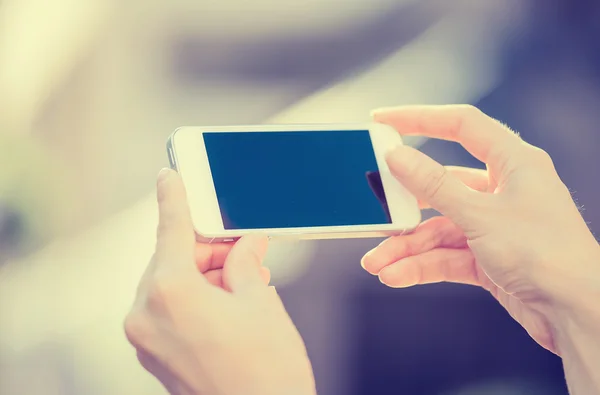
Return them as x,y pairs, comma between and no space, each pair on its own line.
294,379
572,288
573,309
576,333
296,383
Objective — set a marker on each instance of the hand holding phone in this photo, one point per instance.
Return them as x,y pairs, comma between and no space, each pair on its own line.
301,181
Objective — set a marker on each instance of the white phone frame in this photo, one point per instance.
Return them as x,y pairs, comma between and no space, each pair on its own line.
187,155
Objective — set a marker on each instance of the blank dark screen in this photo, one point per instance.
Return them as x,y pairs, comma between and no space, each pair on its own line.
295,179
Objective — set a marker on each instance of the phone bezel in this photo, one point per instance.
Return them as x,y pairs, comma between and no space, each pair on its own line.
187,154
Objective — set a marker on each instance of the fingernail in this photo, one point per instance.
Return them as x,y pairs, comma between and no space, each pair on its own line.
163,174
362,263
381,280
365,257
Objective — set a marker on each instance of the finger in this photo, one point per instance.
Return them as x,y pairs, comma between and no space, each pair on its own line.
430,182
434,233
438,265
241,271
484,137
175,247
215,277
476,179
211,256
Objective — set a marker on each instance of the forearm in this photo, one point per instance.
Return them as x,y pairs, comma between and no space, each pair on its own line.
578,342
577,330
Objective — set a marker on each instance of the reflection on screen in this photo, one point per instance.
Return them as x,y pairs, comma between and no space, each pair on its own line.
295,179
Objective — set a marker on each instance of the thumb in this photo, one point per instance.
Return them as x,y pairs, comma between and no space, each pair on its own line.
430,182
241,271
175,238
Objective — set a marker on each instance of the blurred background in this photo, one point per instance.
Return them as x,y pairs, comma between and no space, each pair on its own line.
90,90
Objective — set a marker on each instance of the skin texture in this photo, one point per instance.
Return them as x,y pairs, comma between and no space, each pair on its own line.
512,229
206,322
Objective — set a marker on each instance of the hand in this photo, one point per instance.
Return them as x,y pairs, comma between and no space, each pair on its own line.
513,229
213,327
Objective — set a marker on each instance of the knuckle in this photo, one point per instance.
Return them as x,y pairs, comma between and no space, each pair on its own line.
144,360
534,160
136,328
470,111
541,158
434,181
467,115
164,290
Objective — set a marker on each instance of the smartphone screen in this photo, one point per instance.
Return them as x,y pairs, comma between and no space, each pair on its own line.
296,179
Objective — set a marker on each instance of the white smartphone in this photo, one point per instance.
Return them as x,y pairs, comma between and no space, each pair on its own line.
292,181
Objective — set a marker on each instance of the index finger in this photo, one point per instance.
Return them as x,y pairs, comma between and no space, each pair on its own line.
484,137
